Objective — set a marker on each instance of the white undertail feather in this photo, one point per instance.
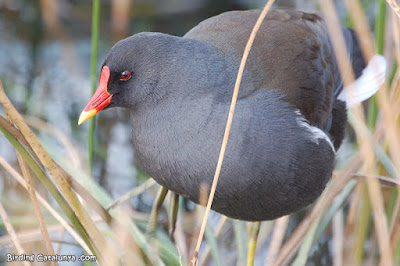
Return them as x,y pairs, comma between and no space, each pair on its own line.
315,133
371,79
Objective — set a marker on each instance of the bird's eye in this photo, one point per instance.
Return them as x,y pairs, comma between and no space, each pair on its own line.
125,75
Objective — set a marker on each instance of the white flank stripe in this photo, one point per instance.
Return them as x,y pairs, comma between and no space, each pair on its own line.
315,133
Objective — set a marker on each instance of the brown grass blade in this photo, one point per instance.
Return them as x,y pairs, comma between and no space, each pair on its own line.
92,230
14,131
383,180
366,146
36,208
120,17
50,14
73,155
276,240
228,125
11,232
34,235
50,209
395,215
338,238
396,37
385,105
395,239
351,223
217,233
59,246
124,241
395,7
291,245
133,193
86,196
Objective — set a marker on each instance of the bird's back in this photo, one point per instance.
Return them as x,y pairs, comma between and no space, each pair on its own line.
291,52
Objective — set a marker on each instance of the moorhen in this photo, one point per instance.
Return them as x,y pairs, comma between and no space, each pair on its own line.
288,121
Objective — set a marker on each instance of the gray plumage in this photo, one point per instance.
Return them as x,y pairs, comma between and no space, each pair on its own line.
278,160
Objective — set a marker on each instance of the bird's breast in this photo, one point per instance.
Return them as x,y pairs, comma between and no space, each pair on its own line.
275,162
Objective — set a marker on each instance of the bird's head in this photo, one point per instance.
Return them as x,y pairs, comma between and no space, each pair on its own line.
131,74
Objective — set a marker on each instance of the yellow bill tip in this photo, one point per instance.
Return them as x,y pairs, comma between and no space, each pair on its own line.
86,115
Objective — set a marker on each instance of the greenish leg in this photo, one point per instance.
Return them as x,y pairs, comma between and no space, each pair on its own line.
173,214
158,201
252,233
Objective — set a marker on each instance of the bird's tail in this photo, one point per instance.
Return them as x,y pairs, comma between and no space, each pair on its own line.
369,78
367,84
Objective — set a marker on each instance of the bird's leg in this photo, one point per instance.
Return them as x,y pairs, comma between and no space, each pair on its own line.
173,214
158,201
252,235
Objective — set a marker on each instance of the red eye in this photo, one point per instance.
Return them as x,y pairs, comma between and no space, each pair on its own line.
125,75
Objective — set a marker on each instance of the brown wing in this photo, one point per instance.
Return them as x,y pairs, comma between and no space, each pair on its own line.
291,53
